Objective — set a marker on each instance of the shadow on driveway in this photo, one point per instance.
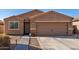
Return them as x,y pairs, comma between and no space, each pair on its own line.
23,47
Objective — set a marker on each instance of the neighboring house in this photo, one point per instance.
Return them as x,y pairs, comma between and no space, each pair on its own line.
1,27
76,24
36,22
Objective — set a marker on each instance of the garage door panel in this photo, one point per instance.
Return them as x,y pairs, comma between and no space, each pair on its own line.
49,29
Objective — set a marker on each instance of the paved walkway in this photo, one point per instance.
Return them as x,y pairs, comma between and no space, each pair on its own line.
22,42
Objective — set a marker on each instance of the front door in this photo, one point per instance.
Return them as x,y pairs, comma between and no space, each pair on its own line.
26,28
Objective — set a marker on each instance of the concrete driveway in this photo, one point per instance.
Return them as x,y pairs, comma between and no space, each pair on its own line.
59,43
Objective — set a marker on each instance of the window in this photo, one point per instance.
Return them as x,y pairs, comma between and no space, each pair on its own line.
13,25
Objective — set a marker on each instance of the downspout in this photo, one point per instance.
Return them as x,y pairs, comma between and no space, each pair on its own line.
36,29
67,28
29,27
29,36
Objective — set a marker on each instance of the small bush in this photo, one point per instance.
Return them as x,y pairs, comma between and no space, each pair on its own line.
4,41
33,35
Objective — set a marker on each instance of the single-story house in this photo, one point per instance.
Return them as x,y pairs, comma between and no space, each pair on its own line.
39,23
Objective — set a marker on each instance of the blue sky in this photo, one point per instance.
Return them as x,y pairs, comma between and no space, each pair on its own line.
11,12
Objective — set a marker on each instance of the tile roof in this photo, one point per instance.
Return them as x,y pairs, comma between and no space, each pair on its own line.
31,13
41,14
27,14
12,17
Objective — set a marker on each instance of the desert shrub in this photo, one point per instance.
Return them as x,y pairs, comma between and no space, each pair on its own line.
4,41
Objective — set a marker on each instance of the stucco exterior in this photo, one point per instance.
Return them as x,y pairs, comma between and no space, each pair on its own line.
76,26
36,22
76,23
16,31
51,24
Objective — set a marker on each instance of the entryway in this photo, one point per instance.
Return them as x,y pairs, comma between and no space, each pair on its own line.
26,28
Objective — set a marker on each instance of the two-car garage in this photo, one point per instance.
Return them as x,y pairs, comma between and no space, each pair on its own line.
51,29
51,24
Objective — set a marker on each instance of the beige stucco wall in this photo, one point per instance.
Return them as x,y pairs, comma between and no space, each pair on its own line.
70,28
17,31
52,28
76,23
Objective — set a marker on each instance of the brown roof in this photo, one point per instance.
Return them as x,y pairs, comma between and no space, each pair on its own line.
31,13
41,14
17,17
9,17
27,14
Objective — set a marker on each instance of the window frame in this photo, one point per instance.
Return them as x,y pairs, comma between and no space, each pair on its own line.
9,25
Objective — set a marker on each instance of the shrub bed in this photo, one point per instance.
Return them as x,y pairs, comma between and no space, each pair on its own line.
4,41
